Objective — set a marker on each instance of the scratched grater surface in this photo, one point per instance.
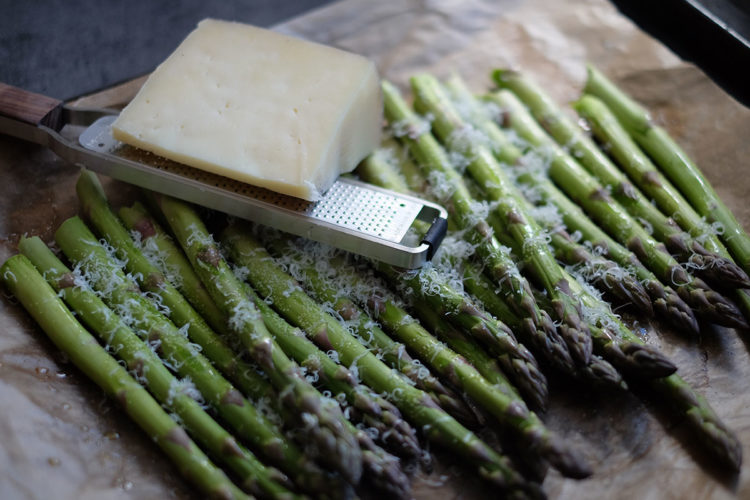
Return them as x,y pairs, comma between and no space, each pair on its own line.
349,206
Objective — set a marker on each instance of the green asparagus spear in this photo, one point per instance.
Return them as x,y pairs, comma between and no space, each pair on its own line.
329,438
706,260
161,251
673,391
613,340
430,155
141,360
380,468
42,303
269,280
538,188
380,169
403,175
605,274
599,371
667,303
597,201
610,343
501,401
534,467
152,279
379,413
120,293
457,135
516,361
674,162
711,265
369,333
521,366
709,257
374,411
499,187
460,343
542,338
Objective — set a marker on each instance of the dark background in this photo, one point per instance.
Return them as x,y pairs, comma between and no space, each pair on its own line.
67,48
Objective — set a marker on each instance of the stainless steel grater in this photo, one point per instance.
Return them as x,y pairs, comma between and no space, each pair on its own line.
352,215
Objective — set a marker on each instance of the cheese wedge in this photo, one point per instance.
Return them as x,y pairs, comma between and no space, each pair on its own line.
259,107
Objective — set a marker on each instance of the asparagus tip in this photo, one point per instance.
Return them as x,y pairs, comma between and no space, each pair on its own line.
650,362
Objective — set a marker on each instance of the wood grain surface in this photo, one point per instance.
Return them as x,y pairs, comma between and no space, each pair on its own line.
28,107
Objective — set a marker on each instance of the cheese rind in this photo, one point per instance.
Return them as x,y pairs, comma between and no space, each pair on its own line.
259,107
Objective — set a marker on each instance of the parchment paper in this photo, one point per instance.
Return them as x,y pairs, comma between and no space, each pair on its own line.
61,438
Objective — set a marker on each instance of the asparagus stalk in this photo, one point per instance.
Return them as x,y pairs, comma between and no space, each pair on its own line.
42,303
617,344
682,399
665,300
381,468
161,251
595,161
598,270
516,361
378,413
712,262
599,371
596,200
674,162
378,169
369,333
612,339
140,359
403,174
456,134
462,345
153,280
608,342
711,265
118,292
331,440
501,400
374,411
605,274
450,365
431,157
532,466
269,280
543,337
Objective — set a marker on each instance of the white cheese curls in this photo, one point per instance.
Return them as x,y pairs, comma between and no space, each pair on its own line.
258,107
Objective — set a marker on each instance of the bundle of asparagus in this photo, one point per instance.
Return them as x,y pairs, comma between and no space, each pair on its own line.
471,130
296,367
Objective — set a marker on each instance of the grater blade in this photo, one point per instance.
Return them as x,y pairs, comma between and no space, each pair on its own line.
352,215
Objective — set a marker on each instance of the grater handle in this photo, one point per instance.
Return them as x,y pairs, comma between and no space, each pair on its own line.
435,235
30,108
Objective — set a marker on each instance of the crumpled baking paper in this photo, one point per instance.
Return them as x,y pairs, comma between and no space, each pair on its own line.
61,438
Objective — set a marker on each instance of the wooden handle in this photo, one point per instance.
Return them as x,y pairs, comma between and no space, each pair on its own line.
31,108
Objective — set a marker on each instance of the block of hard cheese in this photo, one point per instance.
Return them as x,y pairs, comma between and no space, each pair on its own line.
259,107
